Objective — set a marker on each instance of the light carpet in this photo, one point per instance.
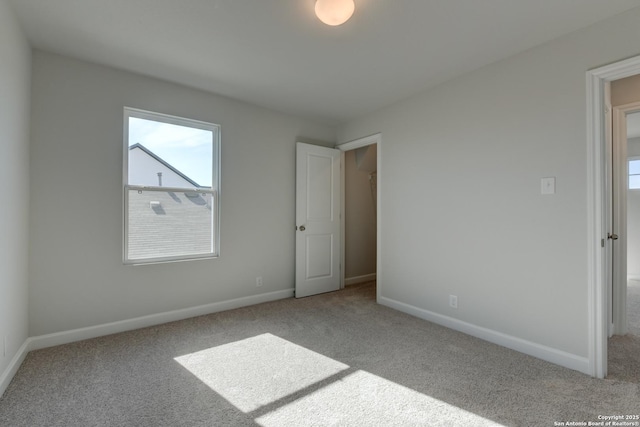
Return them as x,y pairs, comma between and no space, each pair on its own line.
633,307
624,351
336,359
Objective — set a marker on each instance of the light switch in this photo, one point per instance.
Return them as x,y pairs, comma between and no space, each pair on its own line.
548,185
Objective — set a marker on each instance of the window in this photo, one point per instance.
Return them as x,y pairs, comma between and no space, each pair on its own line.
171,188
634,173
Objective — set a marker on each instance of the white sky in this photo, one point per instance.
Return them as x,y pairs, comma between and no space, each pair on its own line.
187,149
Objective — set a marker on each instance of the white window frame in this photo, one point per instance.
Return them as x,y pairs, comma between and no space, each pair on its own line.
214,190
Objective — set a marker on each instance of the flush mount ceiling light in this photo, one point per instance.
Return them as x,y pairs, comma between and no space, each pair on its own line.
334,12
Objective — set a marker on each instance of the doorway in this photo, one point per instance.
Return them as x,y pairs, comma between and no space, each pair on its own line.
361,178
626,208
624,341
600,234
320,216
360,191
632,303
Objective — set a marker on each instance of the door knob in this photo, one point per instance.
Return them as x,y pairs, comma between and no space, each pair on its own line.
302,228
612,236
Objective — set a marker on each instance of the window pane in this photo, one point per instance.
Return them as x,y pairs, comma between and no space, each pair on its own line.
169,224
168,155
634,167
176,160
634,182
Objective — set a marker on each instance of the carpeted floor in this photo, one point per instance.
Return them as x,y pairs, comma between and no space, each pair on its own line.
333,359
624,351
633,307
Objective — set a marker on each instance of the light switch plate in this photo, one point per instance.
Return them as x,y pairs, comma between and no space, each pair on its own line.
548,185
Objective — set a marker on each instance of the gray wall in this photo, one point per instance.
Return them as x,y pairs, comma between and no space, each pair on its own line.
462,211
77,276
15,65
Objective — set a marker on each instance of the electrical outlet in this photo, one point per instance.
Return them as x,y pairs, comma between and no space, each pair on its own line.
453,301
258,281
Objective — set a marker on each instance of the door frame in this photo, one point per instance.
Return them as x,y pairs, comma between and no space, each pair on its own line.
598,263
348,146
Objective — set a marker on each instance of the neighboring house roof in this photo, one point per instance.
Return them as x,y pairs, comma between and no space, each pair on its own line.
169,224
168,165
166,222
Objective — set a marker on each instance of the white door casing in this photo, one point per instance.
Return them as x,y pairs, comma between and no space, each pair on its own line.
317,220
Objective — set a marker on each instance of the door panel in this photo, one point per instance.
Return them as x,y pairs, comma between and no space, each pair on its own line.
317,220
319,256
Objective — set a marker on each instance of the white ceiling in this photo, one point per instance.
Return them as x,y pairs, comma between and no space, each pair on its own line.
275,53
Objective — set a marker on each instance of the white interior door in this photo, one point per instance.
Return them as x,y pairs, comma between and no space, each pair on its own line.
317,220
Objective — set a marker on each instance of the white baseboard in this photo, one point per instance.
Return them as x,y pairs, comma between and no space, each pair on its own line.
59,338
15,363
359,279
549,354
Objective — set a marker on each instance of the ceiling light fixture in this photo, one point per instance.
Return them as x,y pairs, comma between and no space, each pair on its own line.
334,12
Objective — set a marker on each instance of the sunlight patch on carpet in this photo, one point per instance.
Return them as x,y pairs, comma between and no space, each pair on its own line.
280,383
362,398
260,370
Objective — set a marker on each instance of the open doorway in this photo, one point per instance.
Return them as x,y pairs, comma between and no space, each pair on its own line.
599,231
361,160
633,224
624,342
360,194
625,102
624,332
